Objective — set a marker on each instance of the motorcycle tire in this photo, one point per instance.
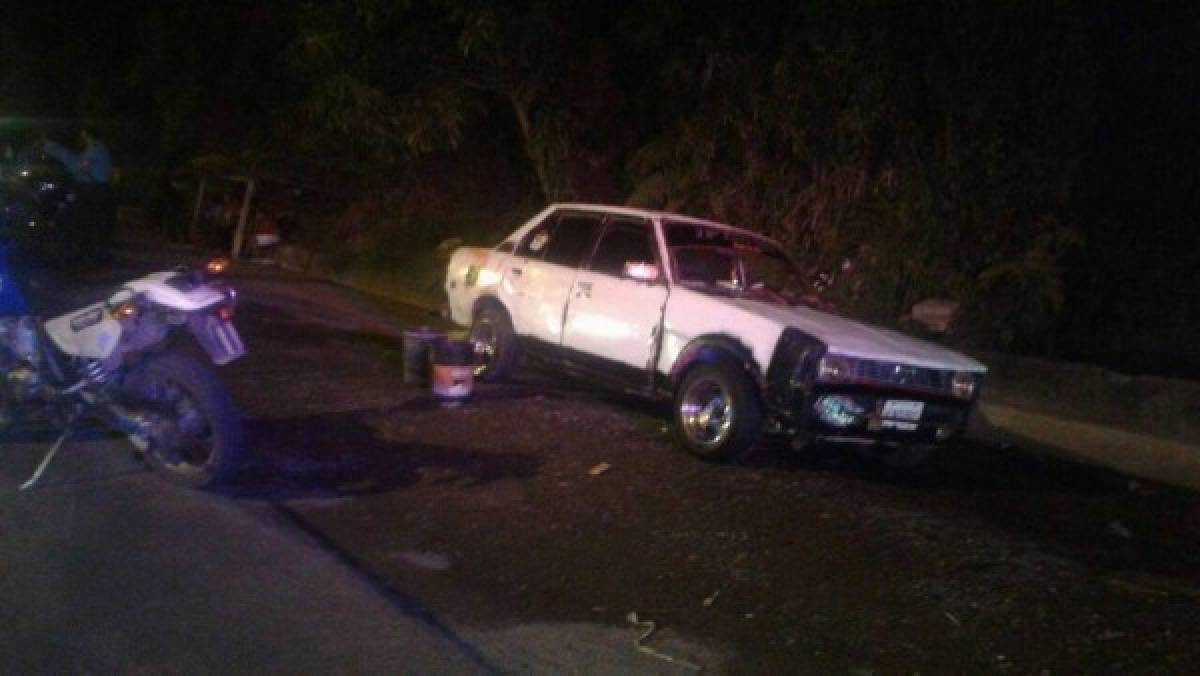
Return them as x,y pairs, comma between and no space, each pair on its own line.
198,439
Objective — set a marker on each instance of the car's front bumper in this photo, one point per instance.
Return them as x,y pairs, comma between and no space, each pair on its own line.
866,415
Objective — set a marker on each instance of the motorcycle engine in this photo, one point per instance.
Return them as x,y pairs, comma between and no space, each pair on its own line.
23,384
19,340
19,336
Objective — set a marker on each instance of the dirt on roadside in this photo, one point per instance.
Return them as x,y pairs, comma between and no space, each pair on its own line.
543,502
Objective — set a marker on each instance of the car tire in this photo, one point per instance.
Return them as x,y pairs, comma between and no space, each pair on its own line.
718,415
495,344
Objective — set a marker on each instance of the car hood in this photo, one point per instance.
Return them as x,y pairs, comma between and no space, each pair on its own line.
856,339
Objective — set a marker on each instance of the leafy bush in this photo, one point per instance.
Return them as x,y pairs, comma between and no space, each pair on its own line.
924,172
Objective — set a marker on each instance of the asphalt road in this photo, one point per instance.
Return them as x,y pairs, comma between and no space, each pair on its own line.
106,568
372,530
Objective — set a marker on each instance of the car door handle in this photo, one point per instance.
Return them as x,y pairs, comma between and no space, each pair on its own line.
516,272
583,289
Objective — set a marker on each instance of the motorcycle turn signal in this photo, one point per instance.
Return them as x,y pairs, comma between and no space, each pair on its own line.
125,311
217,266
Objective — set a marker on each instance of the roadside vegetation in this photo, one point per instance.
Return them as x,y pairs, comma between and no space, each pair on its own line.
1032,161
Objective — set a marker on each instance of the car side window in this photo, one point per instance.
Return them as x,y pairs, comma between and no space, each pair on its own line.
572,240
623,242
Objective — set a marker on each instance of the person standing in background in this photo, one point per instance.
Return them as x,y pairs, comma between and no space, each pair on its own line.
96,206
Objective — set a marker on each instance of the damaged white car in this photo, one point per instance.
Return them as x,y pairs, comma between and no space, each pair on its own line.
716,319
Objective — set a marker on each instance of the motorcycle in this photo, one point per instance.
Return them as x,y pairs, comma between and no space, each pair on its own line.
121,362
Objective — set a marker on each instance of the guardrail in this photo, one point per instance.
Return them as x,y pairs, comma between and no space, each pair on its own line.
1143,425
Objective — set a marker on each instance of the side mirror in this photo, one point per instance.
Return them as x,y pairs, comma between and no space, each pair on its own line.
642,272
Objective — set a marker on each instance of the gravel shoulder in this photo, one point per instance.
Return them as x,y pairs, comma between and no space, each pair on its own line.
537,517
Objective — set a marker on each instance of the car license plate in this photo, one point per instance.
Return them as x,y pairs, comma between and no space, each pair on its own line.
899,409
219,338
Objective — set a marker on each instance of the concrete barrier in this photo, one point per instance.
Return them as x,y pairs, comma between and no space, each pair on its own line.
1142,425
1140,455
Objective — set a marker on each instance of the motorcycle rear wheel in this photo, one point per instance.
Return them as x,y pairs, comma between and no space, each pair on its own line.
196,436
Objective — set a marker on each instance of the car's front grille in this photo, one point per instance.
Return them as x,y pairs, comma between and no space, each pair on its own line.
902,375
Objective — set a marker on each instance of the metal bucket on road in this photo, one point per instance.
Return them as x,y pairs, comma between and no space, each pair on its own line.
419,344
453,371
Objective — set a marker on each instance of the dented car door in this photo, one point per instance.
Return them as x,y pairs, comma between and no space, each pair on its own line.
539,278
615,310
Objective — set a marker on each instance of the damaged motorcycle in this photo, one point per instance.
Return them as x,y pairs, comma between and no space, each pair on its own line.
124,362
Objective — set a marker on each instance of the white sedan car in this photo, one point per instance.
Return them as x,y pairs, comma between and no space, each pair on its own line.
712,317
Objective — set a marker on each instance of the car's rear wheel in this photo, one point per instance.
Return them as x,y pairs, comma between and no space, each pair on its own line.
717,412
496,348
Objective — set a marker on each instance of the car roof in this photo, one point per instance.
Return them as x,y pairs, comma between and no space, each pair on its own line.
655,215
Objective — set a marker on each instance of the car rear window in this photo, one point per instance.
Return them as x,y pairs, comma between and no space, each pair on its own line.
691,234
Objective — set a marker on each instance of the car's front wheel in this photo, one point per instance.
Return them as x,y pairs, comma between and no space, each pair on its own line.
717,412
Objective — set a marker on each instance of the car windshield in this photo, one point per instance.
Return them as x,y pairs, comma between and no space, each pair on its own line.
720,261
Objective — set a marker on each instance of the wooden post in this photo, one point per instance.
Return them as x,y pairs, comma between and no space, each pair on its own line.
192,234
240,234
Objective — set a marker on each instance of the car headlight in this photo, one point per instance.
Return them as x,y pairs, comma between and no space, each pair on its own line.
964,384
835,368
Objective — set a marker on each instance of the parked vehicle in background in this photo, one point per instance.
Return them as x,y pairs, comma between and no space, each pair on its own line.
38,209
716,319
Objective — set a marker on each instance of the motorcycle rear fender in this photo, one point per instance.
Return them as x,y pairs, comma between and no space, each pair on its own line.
156,289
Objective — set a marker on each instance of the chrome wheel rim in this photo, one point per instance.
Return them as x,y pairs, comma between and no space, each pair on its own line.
483,338
706,413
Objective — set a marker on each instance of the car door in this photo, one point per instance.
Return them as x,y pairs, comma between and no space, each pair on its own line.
541,274
616,306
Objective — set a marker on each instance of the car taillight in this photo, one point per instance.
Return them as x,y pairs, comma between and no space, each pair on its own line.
225,312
